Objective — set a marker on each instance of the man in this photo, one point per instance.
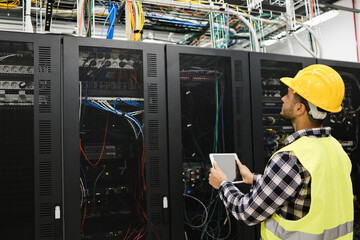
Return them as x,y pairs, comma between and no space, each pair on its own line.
305,191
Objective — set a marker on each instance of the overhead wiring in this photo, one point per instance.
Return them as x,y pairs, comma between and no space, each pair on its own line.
112,17
319,53
86,12
303,45
251,28
135,20
9,4
110,12
356,34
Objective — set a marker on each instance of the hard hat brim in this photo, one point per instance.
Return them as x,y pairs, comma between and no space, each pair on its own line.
287,81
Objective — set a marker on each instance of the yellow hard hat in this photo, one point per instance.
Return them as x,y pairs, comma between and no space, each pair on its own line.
320,85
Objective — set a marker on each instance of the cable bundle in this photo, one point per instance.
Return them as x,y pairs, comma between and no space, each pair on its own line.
105,105
113,9
135,20
87,7
4,4
219,29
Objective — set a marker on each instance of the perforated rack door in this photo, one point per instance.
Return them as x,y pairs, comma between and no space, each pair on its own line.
154,125
44,143
47,144
237,131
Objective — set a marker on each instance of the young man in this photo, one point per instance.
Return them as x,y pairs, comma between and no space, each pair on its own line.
306,190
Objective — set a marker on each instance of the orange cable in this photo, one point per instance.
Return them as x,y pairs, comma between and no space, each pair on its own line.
131,20
82,10
143,169
312,15
131,233
127,231
103,147
83,221
192,14
134,20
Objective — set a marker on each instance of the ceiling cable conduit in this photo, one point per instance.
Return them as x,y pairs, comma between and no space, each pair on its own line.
251,28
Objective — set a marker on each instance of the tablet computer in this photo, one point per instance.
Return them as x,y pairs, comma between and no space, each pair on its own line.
227,163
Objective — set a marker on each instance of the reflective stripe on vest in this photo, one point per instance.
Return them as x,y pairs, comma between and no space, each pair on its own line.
333,233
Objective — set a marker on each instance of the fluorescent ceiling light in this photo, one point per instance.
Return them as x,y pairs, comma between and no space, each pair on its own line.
269,42
312,23
322,18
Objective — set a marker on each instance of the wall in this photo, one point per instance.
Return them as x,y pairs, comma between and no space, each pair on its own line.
337,37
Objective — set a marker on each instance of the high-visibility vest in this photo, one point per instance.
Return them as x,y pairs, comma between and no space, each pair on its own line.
331,213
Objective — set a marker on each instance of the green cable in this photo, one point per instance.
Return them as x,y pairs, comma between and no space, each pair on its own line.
221,104
212,214
213,29
311,42
219,32
90,16
217,114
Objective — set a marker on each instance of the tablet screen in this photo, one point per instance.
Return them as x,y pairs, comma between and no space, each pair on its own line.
226,162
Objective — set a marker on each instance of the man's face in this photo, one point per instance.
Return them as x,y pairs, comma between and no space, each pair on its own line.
287,110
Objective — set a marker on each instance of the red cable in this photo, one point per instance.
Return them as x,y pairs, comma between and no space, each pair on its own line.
103,147
356,38
127,232
83,221
312,16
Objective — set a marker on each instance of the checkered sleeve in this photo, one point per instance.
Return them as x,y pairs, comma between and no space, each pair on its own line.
280,183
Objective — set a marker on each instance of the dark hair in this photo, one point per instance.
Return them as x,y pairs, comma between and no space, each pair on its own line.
315,122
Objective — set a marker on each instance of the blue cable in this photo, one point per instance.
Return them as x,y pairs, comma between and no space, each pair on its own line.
83,111
131,103
134,104
134,118
175,21
126,114
129,117
114,8
105,24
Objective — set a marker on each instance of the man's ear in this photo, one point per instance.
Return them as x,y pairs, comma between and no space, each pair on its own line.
300,109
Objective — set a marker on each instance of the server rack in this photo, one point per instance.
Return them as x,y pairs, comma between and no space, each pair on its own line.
202,83
345,125
30,136
114,74
269,129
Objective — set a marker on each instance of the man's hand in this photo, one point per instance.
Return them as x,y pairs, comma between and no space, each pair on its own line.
245,172
216,176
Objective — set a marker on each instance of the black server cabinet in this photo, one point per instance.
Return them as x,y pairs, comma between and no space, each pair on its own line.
269,129
345,125
208,111
119,156
30,136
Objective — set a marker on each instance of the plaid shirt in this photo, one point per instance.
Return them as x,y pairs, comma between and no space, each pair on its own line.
284,188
